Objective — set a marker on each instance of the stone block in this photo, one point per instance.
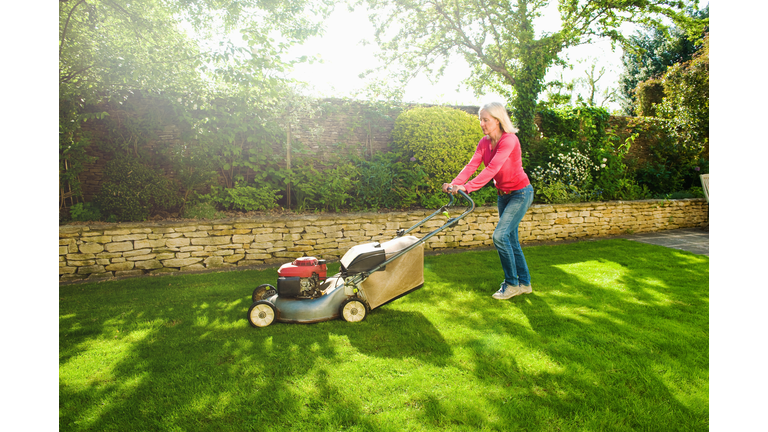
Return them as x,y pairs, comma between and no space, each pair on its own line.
80,257
139,252
143,244
67,270
251,257
214,261
165,255
148,265
119,247
249,225
211,241
242,239
177,242
233,258
196,234
144,257
128,265
267,245
288,254
191,249
163,230
91,269
98,239
265,238
300,249
181,262
130,237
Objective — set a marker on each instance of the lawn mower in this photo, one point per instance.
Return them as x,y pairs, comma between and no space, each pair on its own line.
371,275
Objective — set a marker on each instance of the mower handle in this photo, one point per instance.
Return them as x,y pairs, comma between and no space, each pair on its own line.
359,278
463,195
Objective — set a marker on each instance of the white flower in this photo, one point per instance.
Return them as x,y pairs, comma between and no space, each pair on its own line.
605,160
602,165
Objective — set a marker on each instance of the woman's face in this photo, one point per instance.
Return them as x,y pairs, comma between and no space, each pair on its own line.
489,124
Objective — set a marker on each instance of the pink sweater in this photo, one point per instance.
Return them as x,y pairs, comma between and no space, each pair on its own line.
503,164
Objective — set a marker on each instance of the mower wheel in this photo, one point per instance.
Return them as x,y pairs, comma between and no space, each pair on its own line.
353,310
261,313
263,291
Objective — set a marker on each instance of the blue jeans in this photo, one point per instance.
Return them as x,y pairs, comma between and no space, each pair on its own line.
512,208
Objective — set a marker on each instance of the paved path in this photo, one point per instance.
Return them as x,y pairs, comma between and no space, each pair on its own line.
695,240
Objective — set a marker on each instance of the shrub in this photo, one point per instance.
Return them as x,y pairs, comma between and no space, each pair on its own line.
324,189
556,192
245,198
388,182
202,210
570,168
579,159
441,139
85,212
133,191
487,195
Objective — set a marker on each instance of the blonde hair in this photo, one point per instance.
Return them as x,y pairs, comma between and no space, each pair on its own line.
497,111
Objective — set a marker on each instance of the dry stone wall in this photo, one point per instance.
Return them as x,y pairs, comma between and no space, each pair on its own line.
135,249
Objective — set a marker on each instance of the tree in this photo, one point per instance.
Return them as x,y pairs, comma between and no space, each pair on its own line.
560,92
498,39
648,55
590,80
110,50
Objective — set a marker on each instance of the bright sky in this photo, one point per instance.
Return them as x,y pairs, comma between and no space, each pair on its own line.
344,58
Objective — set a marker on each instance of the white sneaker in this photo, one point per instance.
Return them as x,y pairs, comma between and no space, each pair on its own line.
509,291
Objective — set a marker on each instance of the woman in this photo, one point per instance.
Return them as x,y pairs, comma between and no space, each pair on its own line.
500,151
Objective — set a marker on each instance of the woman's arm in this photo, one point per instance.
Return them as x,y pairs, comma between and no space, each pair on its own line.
506,146
471,167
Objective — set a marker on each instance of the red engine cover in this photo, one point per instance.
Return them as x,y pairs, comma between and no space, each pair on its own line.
304,267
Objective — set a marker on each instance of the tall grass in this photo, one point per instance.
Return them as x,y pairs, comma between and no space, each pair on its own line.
614,337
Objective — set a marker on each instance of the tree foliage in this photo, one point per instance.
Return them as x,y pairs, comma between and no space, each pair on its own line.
648,55
681,154
498,40
226,53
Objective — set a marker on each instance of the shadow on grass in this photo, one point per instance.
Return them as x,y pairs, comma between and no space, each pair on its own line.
612,338
176,353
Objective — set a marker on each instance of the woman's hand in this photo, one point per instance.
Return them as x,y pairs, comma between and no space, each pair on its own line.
454,189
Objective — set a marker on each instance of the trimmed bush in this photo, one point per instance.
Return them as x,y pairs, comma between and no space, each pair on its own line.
441,139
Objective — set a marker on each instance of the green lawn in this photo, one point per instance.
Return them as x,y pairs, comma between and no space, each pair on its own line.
615,337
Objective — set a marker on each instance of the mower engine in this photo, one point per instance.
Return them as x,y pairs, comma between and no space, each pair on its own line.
301,278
